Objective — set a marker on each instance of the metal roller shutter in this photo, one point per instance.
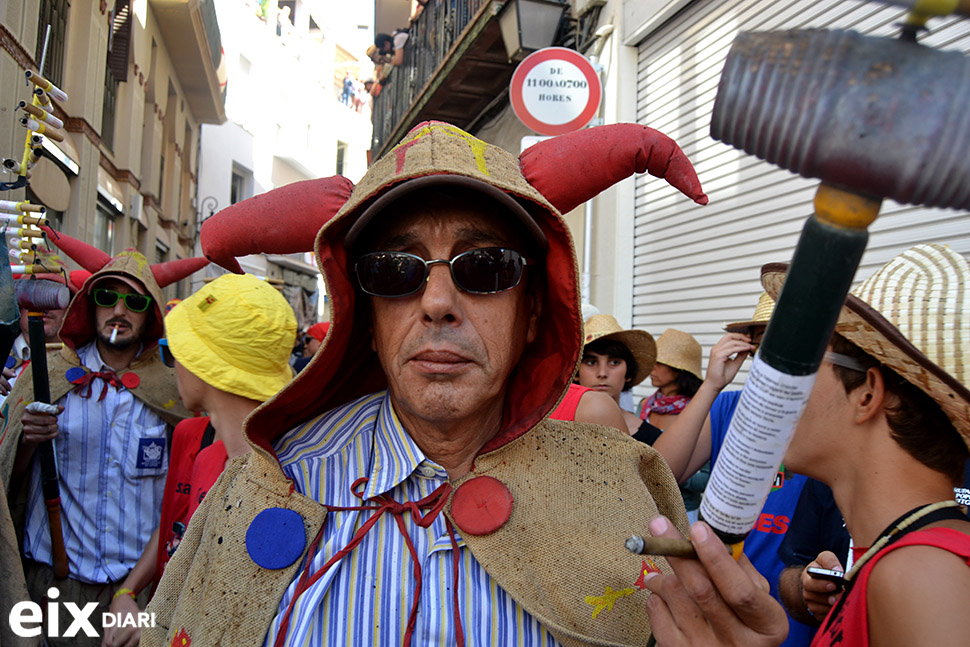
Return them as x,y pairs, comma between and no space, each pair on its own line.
696,268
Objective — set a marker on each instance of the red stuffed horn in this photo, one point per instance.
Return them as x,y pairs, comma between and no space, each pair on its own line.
570,169
87,256
171,271
281,221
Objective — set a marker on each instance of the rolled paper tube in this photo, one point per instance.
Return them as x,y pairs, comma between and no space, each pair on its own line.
42,99
664,546
42,115
54,345
12,206
55,92
10,164
29,269
42,129
26,244
21,219
33,220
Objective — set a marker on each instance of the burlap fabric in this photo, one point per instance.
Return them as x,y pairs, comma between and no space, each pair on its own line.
561,555
580,491
224,597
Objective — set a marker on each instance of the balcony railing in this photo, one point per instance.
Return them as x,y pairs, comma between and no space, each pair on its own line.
435,36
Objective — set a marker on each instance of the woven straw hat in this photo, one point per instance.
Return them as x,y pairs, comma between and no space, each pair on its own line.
913,315
640,342
761,316
236,333
680,350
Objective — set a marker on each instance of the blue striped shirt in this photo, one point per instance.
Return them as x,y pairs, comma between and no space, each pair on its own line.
111,461
365,598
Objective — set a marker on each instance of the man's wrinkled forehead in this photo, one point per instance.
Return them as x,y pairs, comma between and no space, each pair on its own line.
470,218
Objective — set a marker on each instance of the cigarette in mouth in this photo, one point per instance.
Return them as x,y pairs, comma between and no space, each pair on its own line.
114,334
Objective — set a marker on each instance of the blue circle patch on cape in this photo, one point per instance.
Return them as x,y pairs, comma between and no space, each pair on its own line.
11,360
276,538
74,374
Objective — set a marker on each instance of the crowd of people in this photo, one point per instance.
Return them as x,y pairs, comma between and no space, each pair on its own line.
451,464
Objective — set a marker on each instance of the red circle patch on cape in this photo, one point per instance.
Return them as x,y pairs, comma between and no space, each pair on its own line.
481,506
130,380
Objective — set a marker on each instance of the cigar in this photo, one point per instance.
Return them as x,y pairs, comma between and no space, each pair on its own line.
664,546
47,86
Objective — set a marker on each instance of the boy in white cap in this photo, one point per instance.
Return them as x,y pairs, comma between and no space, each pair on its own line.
229,344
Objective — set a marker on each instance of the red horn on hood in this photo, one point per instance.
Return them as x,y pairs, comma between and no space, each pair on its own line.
171,271
281,221
570,169
87,256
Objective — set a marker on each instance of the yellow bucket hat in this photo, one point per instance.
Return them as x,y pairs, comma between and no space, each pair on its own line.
236,334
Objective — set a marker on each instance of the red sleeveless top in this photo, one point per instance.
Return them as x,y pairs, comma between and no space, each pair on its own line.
847,625
567,408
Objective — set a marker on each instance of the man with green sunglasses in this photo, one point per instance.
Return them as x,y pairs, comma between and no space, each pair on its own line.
112,407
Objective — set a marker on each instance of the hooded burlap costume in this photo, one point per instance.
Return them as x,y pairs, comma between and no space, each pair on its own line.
146,378
576,491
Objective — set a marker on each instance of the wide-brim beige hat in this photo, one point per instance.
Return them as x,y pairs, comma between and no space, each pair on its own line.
761,316
640,342
913,315
680,350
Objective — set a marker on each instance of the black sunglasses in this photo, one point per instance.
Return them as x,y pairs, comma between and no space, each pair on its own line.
106,298
486,270
167,358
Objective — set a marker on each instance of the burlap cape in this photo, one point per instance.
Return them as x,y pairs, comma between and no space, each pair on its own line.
580,491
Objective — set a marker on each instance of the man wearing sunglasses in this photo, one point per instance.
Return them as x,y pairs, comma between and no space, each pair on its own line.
408,487
115,405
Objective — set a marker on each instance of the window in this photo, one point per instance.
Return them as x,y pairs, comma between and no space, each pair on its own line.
116,67
161,252
108,109
236,188
53,13
240,184
341,155
104,227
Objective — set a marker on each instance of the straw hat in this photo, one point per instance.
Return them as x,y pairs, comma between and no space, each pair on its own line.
680,350
913,315
761,316
236,334
640,342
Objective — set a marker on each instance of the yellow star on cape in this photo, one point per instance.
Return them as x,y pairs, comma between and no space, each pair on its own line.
169,404
606,601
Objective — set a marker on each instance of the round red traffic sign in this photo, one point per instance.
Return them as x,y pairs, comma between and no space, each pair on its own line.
555,91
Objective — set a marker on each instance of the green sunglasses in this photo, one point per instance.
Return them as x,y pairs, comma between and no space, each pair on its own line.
106,298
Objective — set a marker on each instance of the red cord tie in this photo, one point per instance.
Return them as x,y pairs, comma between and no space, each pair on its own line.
84,383
434,503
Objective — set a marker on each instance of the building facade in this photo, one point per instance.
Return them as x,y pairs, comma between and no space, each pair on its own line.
141,76
286,123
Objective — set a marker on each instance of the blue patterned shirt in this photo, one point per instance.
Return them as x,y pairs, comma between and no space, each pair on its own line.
366,597
111,462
